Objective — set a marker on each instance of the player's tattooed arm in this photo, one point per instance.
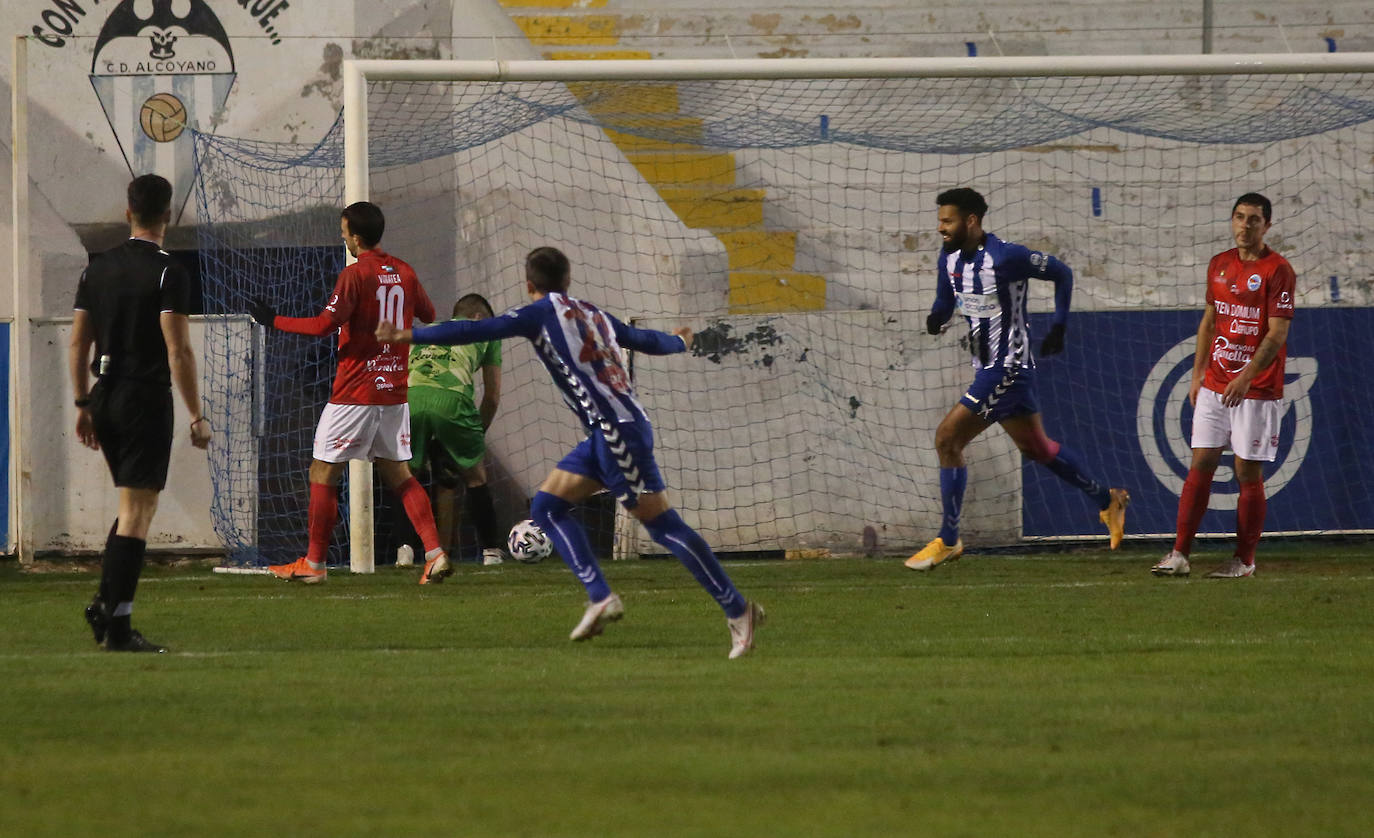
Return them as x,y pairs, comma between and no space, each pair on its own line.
1265,353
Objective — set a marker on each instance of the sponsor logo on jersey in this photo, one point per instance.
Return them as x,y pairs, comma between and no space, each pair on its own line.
978,305
1237,310
381,383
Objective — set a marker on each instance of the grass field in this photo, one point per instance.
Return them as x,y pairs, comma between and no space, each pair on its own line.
1001,696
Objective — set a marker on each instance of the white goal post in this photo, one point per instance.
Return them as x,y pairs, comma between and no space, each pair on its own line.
359,73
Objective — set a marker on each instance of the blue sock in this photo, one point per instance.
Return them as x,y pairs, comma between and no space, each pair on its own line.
554,517
952,483
692,550
1065,464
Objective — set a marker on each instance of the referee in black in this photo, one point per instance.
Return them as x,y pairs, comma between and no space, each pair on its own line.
131,308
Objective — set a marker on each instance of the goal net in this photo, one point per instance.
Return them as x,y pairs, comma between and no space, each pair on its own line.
790,220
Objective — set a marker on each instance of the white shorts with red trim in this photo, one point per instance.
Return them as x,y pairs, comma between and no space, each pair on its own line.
1251,427
363,432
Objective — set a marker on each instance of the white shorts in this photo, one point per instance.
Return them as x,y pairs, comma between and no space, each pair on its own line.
363,432
1251,427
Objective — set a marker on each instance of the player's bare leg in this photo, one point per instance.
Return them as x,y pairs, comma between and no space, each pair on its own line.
959,427
1027,431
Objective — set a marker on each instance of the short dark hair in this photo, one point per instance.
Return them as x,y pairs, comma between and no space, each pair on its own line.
469,305
967,200
365,220
547,268
1255,199
150,196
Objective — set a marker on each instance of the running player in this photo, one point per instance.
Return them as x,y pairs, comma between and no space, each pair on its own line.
987,279
580,345
1237,388
367,417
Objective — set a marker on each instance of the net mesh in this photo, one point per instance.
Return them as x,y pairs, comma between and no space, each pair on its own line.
792,223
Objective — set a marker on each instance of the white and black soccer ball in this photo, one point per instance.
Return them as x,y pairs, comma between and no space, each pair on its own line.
528,543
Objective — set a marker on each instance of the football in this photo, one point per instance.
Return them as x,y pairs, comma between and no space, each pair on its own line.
528,543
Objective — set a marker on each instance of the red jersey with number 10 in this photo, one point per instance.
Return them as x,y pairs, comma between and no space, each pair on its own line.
1245,295
376,286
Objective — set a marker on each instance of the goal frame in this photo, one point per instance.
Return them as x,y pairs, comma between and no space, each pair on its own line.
358,72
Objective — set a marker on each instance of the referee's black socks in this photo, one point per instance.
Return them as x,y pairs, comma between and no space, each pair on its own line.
103,594
119,580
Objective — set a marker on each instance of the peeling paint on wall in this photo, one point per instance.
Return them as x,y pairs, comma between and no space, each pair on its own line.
716,341
328,83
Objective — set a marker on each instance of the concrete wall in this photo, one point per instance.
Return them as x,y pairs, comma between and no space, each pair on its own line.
817,28
286,87
73,499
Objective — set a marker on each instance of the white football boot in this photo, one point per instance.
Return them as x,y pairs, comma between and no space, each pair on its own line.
1174,564
1234,569
597,615
742,629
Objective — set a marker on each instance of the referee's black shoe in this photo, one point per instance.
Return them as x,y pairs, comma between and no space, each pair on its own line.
98,618
135,643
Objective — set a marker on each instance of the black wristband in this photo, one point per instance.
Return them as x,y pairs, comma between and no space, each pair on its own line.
83,401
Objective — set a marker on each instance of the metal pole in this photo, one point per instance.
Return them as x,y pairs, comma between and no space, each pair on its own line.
360,548
1206,27
20,535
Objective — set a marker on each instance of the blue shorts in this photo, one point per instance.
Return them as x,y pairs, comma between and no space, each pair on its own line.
999,393
624,463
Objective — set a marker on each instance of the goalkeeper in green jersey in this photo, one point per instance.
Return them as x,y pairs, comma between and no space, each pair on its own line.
448,432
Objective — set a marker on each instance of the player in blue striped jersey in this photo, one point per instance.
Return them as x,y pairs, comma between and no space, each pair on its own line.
987,280
581,346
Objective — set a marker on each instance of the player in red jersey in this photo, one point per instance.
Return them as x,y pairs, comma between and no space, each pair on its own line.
1237,388
367,417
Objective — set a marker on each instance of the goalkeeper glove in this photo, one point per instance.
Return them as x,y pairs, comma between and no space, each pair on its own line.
262,311
933,323
1053,343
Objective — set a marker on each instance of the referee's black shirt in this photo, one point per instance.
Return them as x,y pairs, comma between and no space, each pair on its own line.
125,290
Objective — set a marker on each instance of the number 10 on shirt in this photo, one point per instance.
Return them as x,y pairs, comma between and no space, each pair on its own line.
391,306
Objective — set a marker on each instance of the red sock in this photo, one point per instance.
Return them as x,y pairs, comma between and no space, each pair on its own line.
324,512
1249,520
1192,505
416,502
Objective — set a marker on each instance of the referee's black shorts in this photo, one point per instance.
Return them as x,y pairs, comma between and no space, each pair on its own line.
133,423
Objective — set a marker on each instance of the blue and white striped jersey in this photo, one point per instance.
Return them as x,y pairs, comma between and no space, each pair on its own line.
578,343
990,287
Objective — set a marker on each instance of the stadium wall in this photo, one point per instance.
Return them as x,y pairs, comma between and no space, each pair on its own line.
285,61
73,500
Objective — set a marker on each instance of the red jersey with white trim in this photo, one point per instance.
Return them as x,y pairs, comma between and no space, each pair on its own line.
377,285
1245,295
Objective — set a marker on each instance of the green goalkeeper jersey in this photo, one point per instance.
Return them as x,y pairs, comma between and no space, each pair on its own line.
453,369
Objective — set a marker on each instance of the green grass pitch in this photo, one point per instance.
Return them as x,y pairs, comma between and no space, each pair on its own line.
1042,695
